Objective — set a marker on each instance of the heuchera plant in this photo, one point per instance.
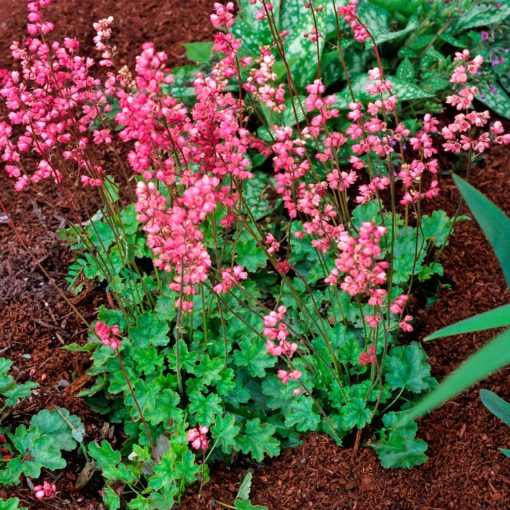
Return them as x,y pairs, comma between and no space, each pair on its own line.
25,451
261,265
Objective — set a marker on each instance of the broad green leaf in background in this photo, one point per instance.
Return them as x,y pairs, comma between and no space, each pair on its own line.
205,409
403,90
300,51
111,499
405,71
484,362
497,318
493,221
43,452
199,51
481,15
406,7
496,99
252,32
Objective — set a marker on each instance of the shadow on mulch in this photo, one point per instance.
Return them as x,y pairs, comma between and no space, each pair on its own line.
465,470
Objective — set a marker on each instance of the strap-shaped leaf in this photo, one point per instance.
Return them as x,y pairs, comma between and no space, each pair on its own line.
497,318
493,221
496,405
491,357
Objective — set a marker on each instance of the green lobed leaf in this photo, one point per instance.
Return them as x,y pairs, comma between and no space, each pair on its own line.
398,447
225,430
302,414
149,329
111,499
258,440
244,489
246,505
355,414
253,355
43,453
205,408
406,367
11,504
65,429
493,221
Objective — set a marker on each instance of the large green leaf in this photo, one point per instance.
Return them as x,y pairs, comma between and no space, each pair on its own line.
300,51
496,405
405,91
497,318
493,221
484,362
496,99
199,51
481,15
406,7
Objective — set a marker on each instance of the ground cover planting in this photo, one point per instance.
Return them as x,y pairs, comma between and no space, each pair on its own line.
253,242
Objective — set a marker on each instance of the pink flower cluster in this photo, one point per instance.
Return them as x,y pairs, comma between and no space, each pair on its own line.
231,277
359,261
368,357
53,101
108,335
348,13
46,490
276,331
293,375
198,437
101,40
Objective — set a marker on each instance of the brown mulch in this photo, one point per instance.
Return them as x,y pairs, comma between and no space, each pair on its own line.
465,470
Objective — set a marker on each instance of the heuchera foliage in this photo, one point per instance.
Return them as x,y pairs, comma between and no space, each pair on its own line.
263,245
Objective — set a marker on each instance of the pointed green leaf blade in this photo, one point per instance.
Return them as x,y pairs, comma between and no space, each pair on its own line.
496,405
484,362
493,221
497,318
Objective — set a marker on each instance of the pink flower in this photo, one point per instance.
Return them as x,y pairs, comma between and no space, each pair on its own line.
198,437
46,490
108,336
369,357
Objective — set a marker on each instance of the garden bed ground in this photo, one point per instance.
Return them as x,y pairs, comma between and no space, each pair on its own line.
465,470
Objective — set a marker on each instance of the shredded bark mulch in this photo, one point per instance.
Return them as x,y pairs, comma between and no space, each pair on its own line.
465,470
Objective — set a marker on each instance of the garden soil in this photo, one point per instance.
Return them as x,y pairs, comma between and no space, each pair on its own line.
465,471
